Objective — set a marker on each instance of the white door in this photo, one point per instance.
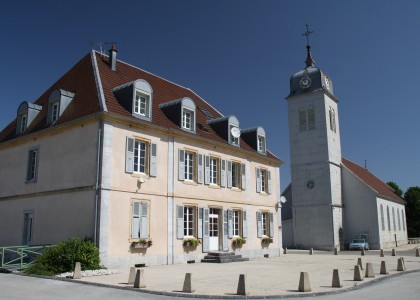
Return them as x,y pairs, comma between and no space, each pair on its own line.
214,229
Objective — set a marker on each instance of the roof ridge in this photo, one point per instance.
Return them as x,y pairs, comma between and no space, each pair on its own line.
96,74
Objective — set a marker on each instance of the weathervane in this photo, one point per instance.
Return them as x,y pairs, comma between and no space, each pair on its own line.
309,61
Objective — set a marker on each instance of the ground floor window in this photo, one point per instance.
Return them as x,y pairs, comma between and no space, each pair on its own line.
237,223
139,219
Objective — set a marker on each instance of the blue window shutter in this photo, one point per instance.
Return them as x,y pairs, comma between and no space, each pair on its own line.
269,182
153,160
244,224
207,169
243,177
259,224
180,221
144,223
271,224
223,173
200,223
225,231
200,168
229,176
258,175
129,155
230,223
181,165
206,230
135,222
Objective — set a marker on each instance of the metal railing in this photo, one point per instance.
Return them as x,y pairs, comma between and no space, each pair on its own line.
414,240
20,257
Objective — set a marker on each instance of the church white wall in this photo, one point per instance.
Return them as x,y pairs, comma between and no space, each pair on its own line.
334,143
360,211
392,230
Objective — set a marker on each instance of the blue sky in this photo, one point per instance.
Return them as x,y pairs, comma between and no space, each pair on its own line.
239,56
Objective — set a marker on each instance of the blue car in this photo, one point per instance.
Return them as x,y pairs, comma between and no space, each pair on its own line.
359,244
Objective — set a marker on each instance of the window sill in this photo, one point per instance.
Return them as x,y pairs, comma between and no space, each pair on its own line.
190,182
139,175
235,189
214,186
264,194
31,181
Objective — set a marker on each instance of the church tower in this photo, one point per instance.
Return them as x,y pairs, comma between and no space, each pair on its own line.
315,152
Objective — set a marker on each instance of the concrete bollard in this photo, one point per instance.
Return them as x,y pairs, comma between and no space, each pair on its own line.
357,273
311,251
400,265
359,263
304,284
335,251
393,252
188,286
285,251
77,274
139,282
132,275
417,252
369,271
362,253
403,263
242,285
336,279
382,253
383,271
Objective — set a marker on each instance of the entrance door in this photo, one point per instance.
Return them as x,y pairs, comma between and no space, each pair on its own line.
214,229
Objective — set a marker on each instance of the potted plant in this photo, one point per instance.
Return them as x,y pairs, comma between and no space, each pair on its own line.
266,240
238,242
142,243
191,242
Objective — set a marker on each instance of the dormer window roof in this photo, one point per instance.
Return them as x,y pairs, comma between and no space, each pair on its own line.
256,138
26,113
136,97
58,101
228,128
182,112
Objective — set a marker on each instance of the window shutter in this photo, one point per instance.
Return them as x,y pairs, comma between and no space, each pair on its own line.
269,182
207,169
271,225
244,225
144,224
230,223
153,160
259,224
180,225
225,231
257,171
229,175
200,223
206,245
200,169
223,174
135,222
181,165
129,155
243,177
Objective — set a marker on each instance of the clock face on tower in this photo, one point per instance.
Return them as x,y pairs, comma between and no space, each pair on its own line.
305,82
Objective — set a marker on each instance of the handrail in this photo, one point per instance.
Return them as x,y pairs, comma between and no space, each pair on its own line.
20,257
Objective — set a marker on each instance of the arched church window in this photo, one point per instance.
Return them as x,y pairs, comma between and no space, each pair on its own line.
399,220
389,219
393,219
332,119
302,119
311,117
382,218
403,220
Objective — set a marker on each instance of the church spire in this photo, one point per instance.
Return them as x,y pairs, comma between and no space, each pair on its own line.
309,61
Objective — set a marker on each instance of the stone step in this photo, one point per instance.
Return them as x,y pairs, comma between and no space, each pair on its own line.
223,257
226,260
218,253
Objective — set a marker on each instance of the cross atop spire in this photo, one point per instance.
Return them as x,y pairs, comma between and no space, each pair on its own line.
309,61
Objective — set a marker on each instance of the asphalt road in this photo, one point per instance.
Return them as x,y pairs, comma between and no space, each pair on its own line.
22,287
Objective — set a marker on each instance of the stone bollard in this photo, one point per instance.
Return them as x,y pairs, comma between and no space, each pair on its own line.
393,252
285,251
383,271
242,285
417,252
336,279
335,251
311,251
132,275
359,263
382,253
139,281
400,265
357,273
304,284
77,274
362,253
369,271
188,286
403,263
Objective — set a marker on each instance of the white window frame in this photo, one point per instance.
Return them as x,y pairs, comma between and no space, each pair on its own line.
188,119
237,223
264,180
138,167
214,170
236,180
55,111
233,140
265,223
261,144
189,221
138,108
189,165
33,162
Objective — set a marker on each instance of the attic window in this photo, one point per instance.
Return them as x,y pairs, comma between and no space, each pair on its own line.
261,144
58,101
234,134
26,113
142,104
206,112
187,119
23,119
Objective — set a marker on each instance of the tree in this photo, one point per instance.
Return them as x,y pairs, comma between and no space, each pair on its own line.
412,210
396,188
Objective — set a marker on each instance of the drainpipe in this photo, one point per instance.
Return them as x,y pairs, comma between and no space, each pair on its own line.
97,185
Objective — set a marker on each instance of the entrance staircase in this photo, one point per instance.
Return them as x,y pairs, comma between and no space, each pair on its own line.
223,257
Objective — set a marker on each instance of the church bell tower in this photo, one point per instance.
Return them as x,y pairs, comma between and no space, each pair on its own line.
315,161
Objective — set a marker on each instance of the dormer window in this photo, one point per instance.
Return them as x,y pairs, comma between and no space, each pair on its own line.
187,119
182,112
234,135
227,128
54,113
58,101
23,120
26,113
256,138
261,144
142,104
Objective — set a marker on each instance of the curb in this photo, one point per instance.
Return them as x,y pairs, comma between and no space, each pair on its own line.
202,296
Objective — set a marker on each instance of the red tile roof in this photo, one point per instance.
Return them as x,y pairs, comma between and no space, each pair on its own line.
80,80
372,181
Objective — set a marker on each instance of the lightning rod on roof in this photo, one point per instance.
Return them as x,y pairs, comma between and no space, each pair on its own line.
102,44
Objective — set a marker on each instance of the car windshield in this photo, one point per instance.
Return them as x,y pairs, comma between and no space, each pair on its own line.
358,241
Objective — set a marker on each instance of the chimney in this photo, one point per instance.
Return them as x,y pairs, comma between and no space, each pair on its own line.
113,58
